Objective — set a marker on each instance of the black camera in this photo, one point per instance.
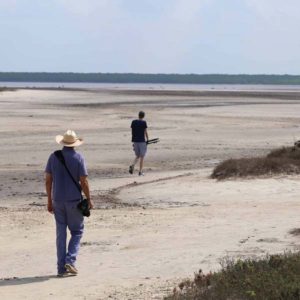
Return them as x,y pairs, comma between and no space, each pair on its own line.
83,206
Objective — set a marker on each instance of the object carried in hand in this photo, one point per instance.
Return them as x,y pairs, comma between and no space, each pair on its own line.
297,144
83,205
153,141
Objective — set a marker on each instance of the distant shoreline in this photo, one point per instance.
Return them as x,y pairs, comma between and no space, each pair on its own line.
135,78
293,95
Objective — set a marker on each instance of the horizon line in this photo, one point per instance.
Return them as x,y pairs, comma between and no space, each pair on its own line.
137,73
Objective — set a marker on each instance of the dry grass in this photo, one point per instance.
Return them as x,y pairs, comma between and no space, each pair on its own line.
275,277
5,89
285,160
295,231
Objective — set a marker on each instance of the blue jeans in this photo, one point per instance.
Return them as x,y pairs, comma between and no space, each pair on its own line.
67,215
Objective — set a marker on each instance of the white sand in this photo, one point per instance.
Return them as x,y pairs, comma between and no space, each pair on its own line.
143,238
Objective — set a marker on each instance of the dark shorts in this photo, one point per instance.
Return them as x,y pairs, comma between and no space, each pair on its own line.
140,149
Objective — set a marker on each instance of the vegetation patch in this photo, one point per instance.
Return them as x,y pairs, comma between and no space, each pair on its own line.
274,277
285,160
150,78
5,89
295,231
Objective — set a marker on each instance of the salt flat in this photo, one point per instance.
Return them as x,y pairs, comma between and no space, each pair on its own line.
145,233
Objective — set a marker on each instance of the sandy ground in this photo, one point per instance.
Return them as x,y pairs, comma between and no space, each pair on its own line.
146,233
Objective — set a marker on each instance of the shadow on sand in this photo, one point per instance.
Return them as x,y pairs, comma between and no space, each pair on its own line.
25,280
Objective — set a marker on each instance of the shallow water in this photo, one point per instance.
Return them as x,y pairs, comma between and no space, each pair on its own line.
154,86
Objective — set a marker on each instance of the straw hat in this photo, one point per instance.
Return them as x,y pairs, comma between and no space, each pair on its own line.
69,139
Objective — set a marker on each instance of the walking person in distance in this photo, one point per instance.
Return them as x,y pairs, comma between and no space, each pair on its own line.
139,139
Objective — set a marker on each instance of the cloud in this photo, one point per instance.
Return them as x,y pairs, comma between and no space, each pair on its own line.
90,9
167,40
151,35
8,6
8,3
271,43
272,10
136,35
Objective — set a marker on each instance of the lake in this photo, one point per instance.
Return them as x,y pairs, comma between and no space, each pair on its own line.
154,86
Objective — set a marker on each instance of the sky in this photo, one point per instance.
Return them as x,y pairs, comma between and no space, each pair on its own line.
150,36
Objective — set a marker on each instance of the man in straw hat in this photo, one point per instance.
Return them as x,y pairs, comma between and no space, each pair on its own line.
63,198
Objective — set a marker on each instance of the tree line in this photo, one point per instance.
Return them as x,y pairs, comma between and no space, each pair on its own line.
149,78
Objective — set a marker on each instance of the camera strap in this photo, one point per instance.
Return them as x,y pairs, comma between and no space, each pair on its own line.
61,158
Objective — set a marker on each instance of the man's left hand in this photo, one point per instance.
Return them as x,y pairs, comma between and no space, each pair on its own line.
91,204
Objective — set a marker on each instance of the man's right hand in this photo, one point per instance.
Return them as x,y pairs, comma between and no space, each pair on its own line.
50,207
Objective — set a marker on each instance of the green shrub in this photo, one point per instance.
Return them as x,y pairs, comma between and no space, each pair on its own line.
276,277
